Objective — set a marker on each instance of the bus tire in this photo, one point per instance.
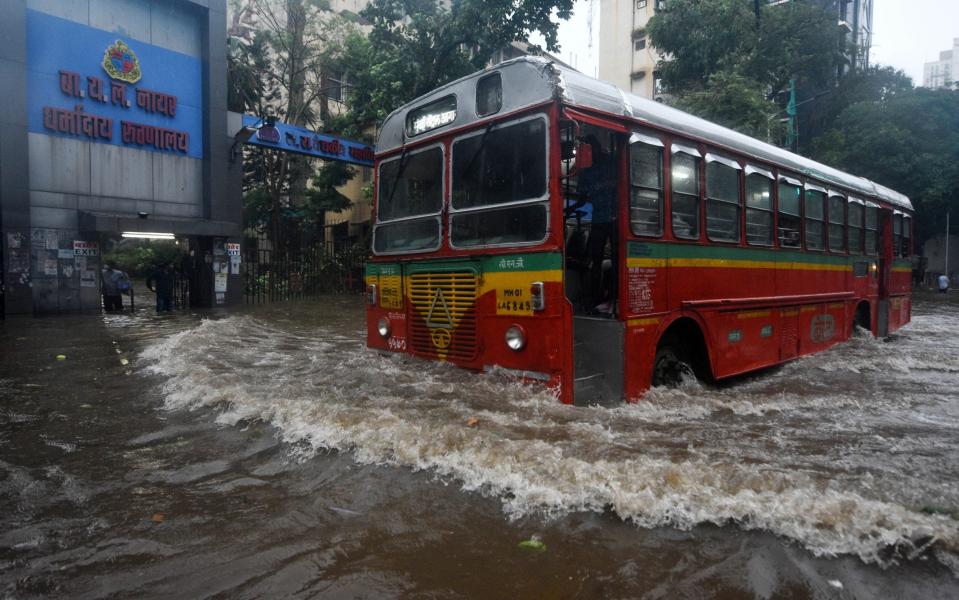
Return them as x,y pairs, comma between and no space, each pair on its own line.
671,366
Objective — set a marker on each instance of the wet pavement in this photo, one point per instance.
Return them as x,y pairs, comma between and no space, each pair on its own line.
264,452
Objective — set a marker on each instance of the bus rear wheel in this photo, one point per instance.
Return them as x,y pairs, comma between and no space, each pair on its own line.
671,367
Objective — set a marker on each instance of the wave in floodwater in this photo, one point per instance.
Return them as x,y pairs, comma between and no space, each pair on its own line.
852,451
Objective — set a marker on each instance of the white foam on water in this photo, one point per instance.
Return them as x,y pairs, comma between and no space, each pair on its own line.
843,470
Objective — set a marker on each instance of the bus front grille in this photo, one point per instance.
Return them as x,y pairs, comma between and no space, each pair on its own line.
444,314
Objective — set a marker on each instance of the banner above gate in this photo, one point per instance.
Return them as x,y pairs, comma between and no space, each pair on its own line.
290,138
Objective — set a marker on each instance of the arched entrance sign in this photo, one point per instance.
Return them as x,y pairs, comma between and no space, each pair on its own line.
291,138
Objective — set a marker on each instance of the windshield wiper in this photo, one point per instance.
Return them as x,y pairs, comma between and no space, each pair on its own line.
399,173
482,144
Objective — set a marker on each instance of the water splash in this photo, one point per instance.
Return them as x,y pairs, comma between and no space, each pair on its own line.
839,451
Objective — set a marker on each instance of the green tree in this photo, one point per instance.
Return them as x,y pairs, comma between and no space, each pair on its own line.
718,49
276,61
417,45
908,141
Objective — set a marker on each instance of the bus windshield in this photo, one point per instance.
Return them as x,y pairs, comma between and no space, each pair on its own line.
497,166
410,186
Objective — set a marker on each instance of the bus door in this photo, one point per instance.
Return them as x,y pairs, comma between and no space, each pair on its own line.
592,185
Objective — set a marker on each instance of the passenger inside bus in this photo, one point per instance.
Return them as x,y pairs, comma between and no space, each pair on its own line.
597,187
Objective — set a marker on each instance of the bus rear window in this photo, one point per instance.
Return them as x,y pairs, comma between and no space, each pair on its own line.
411,185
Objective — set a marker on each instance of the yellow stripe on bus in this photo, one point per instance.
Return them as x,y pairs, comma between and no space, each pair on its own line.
732,264
507,279
641,322
755,314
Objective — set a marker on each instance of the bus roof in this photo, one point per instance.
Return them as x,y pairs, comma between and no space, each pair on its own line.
532,80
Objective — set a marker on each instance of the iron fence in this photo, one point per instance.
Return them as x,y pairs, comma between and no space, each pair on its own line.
301,268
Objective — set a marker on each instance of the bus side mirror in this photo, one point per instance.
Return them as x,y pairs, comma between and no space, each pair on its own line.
584,156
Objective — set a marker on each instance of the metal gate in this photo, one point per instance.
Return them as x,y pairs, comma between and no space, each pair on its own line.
301,267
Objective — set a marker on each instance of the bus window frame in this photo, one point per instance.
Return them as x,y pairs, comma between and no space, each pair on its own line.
812,187
638,137
869,205
476,112
545,199
907,234
749,171
434,215
692,152
796,183
830,194
729,163
861,227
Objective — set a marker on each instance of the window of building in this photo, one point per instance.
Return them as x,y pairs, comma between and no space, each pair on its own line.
759,207
790,194
640,4
639,43
684,201
837,223
646,185
855,226
815,211
872,227
335,82
722,199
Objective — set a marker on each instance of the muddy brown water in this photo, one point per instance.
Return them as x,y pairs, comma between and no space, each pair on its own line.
264,452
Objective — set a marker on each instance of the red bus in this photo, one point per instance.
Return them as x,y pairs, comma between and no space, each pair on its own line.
542,222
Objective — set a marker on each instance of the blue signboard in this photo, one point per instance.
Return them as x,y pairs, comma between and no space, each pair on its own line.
290,138
97,86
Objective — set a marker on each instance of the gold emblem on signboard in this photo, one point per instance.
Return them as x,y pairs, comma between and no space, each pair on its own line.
121,62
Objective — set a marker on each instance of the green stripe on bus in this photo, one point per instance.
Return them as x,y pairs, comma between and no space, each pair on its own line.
691,251
503,263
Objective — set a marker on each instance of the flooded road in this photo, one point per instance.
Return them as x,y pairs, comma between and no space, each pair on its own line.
266,453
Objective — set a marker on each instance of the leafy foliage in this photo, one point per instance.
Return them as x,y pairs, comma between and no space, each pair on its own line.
138,258
415,46
718,49
883,140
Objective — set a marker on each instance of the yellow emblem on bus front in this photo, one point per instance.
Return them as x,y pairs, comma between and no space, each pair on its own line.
441,338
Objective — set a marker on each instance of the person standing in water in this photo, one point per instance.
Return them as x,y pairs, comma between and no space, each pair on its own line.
160,282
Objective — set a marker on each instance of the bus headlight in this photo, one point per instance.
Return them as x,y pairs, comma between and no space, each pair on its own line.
516,338
383,327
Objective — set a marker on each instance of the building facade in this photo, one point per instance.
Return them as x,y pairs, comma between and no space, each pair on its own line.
943,73
626,58
115,123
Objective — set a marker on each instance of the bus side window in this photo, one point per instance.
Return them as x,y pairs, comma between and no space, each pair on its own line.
837,224
855,226
872,228
722,199
646,186
684,200
897,234
815,208
907,236
759,210
789,221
